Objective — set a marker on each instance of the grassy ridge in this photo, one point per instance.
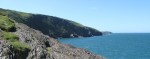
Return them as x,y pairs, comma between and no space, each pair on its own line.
51,25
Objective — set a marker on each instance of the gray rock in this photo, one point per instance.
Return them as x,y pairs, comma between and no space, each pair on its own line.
39,44
5,50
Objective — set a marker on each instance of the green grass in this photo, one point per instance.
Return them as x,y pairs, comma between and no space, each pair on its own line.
48,25
9,36
19,46
13,40
5,23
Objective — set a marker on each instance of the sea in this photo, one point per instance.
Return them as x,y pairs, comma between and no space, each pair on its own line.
115,46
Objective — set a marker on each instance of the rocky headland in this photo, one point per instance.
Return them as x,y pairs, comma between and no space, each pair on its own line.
21,40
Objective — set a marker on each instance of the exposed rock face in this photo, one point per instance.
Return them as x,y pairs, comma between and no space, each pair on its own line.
42,47
5,50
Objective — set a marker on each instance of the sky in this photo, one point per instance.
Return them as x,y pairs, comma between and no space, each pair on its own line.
118,16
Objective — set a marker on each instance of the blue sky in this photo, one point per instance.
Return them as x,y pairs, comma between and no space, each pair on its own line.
104,15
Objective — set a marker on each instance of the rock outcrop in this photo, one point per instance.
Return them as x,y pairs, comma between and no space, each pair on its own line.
41,47
22,36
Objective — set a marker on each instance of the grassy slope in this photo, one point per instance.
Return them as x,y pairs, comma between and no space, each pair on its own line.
13,40
50,25
6,24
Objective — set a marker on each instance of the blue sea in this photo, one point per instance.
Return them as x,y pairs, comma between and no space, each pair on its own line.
115,46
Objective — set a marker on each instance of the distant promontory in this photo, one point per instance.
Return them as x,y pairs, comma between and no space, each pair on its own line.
51,25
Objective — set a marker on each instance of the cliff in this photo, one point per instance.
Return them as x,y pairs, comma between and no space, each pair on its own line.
50,25
18,41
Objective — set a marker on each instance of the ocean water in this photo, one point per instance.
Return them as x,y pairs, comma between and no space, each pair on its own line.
115,46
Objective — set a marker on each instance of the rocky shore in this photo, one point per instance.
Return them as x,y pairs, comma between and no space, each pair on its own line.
31,36
41,47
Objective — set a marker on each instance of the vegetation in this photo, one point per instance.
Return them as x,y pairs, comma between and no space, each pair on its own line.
50,25
76,24
13,40
5,23
9,36
18,16
19,46
49,49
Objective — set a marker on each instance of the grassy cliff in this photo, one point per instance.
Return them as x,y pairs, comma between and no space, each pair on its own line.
6,26
50,25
